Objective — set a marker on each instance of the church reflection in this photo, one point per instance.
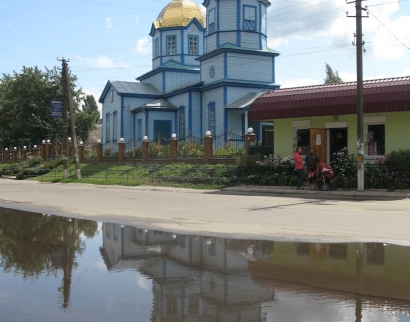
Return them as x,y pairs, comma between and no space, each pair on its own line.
235,280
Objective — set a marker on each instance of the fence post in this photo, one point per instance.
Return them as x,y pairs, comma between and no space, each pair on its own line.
121,150
173,148
250,139
24,152
208,146
99,151
43,149
70,145
81,152
6,155
35,151
145,149
48,150
15,155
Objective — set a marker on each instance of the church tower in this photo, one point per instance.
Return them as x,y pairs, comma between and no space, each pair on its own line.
178,34
242,23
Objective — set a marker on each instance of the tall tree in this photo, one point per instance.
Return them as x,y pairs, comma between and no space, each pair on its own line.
90,106
25,106
331,76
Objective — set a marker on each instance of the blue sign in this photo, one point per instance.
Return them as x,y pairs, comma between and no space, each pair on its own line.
56,109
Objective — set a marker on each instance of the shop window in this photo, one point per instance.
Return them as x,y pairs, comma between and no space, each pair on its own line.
302,139
375,139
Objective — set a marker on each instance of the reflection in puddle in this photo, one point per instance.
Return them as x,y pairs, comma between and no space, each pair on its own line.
66,269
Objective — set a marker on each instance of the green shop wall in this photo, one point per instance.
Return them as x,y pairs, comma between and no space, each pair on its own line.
397,131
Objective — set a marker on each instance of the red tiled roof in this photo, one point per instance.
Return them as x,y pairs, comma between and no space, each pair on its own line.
379,95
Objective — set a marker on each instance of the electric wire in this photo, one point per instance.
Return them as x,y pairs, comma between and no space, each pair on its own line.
388,30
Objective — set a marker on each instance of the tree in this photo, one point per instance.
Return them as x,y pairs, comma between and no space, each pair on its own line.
90,106
25,100
332,77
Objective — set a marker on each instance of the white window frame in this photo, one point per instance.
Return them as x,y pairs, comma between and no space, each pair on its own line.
212,21
249,18
171,46
193,45
212,121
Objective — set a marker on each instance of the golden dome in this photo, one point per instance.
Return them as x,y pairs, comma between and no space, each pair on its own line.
179,13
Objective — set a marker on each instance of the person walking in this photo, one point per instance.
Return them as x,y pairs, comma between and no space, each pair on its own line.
299,167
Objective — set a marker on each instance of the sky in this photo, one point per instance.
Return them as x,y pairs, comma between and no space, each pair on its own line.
109,39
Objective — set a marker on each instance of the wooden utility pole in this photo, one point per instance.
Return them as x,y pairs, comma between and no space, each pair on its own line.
66,79
359,65
65,102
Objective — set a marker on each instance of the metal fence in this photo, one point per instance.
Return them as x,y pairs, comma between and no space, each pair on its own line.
191,146
228,145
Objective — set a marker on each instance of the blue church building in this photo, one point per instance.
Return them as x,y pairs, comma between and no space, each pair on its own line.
209,63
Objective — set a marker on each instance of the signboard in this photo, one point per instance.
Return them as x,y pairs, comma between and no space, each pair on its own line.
56,109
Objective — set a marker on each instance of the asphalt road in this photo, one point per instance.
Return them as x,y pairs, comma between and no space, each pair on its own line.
211,213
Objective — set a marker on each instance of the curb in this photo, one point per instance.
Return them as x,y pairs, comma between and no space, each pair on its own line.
317,194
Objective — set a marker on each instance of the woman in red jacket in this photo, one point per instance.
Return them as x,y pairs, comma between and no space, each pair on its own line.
299,167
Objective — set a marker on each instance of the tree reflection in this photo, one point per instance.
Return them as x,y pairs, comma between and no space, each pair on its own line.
37,244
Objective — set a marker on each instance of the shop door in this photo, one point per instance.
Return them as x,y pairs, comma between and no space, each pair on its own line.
318,141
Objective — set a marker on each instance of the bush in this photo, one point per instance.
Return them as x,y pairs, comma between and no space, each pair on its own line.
391,172
270,171
344,165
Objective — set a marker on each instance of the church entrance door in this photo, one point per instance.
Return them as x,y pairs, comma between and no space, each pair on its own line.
162,131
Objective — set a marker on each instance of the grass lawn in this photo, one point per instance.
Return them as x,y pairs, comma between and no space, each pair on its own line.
170,175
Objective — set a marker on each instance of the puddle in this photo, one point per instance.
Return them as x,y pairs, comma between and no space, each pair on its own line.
59,269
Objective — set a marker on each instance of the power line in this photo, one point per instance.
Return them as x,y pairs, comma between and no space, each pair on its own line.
388,30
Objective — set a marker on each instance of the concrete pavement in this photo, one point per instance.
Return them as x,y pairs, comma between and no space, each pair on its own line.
214,213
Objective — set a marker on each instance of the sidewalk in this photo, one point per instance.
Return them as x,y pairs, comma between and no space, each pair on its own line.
339,194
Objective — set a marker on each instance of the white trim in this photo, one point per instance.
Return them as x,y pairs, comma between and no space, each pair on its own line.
305,124
374,119
336,125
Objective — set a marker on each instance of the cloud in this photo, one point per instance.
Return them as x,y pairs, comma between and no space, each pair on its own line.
101,61
143,46
109,23
143,283
388,37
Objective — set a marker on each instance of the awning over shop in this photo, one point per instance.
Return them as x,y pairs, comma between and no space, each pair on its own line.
379,96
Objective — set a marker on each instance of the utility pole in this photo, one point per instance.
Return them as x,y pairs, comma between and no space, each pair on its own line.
65,102
68,100
359,64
